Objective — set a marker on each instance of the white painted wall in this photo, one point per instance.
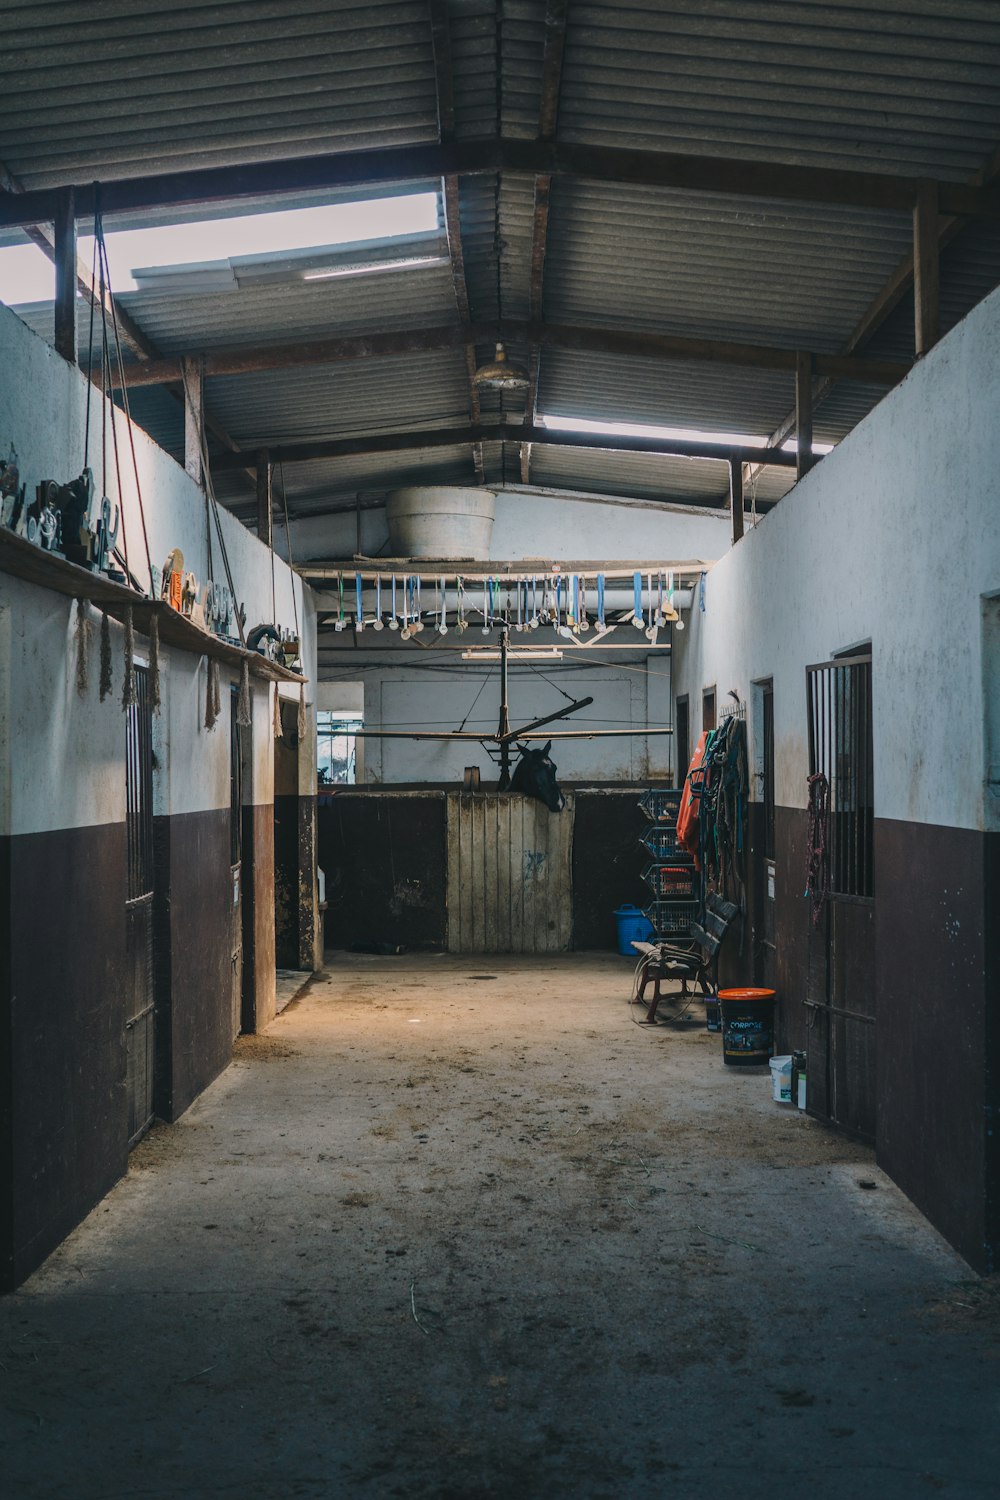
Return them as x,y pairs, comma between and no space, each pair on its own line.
543,525
892,538
61,755
629,693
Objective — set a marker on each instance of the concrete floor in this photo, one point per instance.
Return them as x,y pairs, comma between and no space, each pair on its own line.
458,1228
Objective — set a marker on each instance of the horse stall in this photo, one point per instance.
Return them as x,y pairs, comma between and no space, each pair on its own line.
447,870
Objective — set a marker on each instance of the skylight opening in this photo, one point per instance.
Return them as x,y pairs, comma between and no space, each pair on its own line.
26,274
683,434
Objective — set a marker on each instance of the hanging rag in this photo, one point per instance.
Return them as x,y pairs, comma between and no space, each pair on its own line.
818,859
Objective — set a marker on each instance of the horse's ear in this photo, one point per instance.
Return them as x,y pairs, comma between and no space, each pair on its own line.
547,748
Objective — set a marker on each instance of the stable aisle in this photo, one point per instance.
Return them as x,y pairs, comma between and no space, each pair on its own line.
458,1228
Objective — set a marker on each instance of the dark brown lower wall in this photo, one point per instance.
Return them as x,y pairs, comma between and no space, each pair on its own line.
936,919
924,958
194,995
64,1122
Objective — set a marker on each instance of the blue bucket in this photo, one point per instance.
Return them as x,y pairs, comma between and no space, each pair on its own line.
632,927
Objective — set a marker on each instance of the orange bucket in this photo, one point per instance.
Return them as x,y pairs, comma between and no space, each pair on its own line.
747,1027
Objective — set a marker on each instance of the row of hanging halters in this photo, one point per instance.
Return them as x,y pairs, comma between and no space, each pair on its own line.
562,601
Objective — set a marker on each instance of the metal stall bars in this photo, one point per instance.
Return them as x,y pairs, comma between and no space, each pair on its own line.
840,984
139,1001
672,877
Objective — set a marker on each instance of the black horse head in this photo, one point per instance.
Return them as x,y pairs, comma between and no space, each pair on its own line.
535,776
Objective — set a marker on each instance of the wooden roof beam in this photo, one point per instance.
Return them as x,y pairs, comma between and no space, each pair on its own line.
552,61
654,346
393,165
444,84
451,437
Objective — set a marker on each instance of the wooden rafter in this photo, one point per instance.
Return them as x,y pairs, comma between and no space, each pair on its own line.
425,439
653,346
444,83
552,61
138,344
888,298
395,164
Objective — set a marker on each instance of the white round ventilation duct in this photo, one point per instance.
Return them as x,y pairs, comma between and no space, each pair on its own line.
441,521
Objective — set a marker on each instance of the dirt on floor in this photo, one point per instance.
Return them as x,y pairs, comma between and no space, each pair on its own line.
461,1229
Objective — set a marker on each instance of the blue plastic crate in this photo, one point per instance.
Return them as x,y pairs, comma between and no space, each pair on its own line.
672,918
661,805
663,846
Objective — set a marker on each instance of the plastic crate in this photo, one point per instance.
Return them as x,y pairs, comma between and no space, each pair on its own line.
661,805
672,882
663,846
670,918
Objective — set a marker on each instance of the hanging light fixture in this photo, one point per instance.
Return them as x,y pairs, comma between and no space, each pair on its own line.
499,374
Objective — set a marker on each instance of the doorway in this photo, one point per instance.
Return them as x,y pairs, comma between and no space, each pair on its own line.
286,838
840,991
238,759
140,1007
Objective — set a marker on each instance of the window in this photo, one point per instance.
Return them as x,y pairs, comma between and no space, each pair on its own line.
840,747
336,750
708,708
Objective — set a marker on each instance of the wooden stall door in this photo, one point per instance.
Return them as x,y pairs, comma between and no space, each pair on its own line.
509,874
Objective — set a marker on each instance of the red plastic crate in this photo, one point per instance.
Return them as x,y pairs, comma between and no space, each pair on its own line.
672,882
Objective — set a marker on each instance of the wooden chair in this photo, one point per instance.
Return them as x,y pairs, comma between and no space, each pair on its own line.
696,960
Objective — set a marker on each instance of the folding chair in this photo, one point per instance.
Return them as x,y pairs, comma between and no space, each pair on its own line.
698,960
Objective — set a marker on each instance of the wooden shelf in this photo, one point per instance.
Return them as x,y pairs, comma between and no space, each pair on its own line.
22,559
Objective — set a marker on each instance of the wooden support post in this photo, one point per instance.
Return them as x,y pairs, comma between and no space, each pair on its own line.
264,473
194,416
66,275
803,413
736,496
926,269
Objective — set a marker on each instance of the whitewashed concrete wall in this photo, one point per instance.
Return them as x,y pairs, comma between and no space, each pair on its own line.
628,694
893,538
531,525
61,754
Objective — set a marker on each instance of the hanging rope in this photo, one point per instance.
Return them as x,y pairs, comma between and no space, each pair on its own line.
84,630
213,701
291,562
243,697
120,363
154,662
818,862
277,726
128,685
105,683
301,722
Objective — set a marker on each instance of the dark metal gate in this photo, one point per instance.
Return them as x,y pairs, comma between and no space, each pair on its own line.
140,1008
841,983
237,761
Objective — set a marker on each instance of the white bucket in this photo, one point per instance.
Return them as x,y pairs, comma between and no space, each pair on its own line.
781,1079
441,521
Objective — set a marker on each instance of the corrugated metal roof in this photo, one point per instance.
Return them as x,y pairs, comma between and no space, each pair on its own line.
791,274
365,396
109,91
898,86
710,398
281,312
905,86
